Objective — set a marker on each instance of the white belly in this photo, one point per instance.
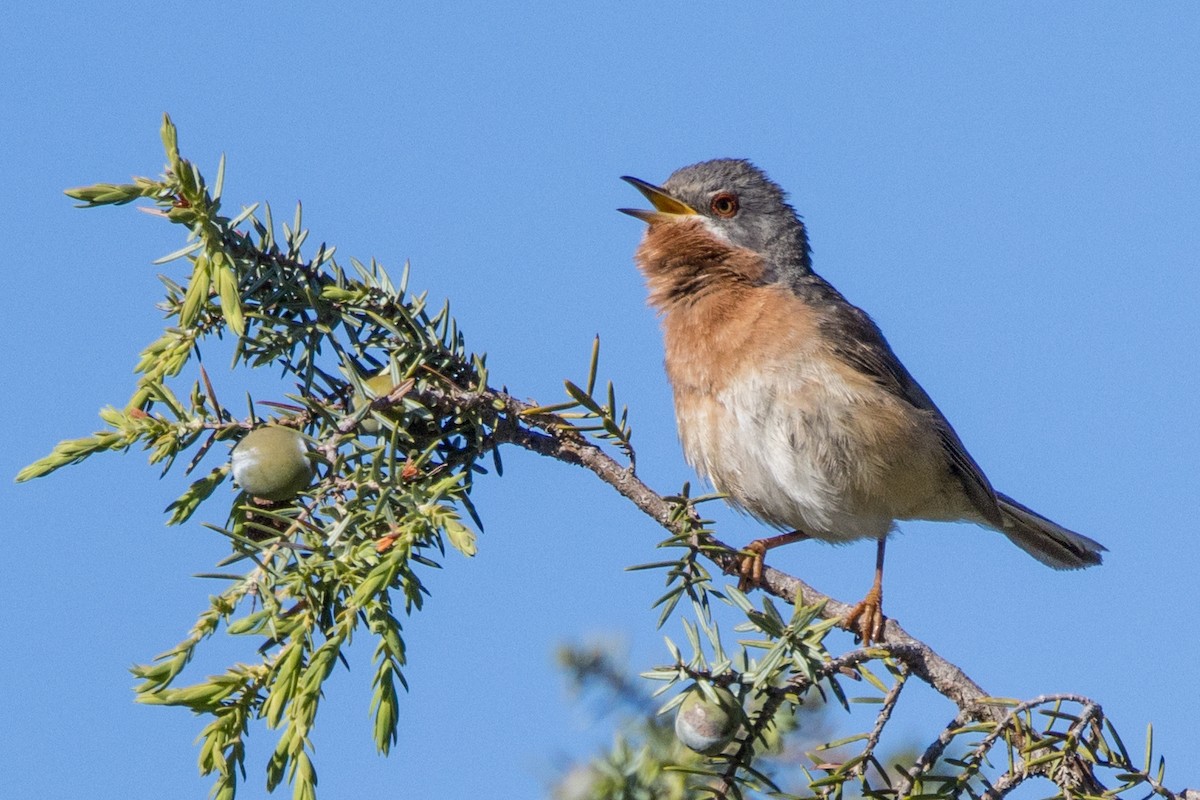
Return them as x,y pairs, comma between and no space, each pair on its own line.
780,448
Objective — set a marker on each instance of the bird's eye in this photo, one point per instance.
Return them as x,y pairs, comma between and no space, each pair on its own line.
724,204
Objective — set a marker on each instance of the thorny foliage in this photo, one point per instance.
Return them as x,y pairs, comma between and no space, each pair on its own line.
782,666
399,418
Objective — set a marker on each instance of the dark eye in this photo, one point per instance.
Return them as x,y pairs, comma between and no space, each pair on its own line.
724,204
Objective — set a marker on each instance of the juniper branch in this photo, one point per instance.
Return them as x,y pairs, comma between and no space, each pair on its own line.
511,422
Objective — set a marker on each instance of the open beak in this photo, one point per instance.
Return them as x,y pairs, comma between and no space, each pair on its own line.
664,204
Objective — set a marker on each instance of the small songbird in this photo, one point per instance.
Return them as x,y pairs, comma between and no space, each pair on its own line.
789,399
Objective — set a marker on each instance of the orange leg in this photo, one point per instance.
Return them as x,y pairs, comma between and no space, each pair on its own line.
751,568
866,619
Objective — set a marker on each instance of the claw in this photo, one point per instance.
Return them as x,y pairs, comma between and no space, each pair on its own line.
866,620
750,569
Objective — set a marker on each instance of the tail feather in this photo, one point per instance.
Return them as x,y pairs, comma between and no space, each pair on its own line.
1047,541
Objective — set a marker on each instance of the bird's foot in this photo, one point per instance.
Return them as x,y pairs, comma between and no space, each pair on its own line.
750,569
866,620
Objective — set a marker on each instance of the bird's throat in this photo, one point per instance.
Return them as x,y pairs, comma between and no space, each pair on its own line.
683,261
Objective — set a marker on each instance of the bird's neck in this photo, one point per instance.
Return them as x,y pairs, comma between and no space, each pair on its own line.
790,247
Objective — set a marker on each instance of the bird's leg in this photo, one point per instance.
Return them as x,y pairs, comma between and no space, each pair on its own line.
866,619
750,569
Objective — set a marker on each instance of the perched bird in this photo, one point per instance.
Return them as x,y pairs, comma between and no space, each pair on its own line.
789,399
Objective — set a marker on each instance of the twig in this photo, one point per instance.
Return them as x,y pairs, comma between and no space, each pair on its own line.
776,696
881,721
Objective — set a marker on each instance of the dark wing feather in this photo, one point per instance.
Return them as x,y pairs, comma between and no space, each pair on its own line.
858,341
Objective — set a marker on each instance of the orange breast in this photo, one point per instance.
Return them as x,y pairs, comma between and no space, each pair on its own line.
789,431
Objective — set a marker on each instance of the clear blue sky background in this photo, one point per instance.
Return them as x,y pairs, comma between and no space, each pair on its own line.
1011,190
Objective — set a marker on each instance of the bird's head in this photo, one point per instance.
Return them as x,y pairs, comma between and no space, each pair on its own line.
737,204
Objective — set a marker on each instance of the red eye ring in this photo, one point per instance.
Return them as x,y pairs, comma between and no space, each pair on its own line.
724,204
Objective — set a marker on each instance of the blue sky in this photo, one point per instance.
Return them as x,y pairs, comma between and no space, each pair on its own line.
1011,191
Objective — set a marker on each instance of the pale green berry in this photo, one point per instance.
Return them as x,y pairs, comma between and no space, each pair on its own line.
706,726
379,386
580,783
272,462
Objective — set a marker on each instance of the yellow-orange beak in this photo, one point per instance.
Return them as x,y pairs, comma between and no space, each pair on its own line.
664,204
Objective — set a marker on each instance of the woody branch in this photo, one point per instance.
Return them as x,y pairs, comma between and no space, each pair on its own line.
545,435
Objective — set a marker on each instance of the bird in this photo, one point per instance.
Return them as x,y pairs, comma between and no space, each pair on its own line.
789,399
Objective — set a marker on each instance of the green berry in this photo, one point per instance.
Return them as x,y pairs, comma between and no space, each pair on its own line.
272,463
706,726
582,782
378,386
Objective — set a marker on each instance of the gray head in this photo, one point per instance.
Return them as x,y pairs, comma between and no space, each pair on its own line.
739,203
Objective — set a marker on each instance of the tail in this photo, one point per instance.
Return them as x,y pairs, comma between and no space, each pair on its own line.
1048,542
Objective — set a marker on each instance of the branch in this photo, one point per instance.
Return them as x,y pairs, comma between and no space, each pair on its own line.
881,721
519,423
544,434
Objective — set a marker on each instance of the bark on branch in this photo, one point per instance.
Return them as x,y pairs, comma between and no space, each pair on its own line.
512,423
